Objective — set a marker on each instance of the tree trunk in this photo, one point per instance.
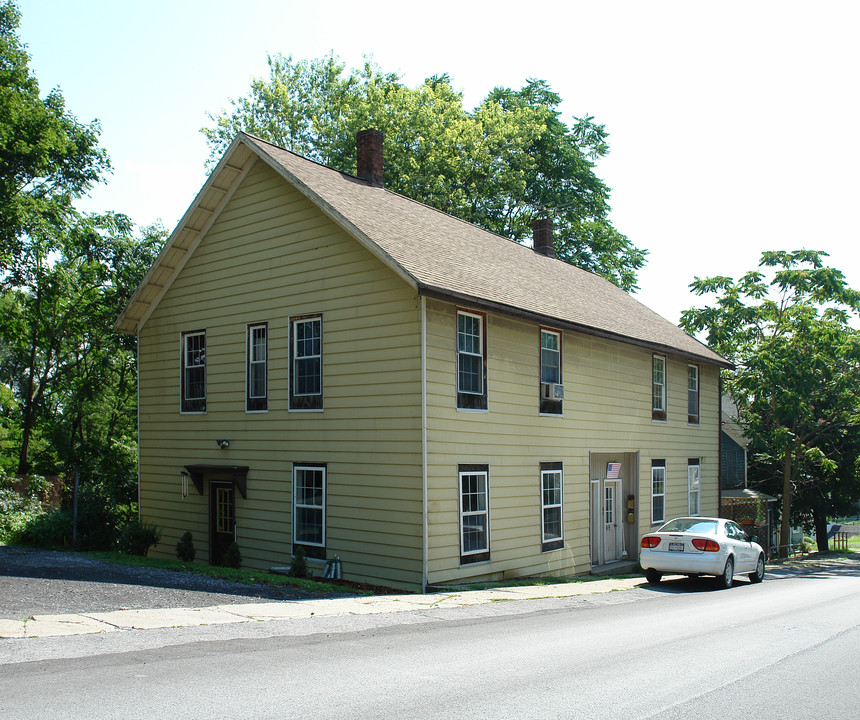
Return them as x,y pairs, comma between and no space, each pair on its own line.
820,519
785,524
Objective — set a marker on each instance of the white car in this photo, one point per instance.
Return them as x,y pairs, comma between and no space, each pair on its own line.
701,546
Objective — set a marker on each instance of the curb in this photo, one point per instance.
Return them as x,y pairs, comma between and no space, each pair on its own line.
123,620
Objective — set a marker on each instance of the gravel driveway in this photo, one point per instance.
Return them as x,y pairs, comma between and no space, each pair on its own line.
38,582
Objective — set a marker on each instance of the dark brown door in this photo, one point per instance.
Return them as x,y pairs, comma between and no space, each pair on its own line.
222,520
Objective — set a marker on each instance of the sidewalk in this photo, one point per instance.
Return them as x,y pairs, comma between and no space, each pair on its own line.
118,620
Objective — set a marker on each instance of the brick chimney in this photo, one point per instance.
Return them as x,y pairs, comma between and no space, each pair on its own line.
542,234
368,148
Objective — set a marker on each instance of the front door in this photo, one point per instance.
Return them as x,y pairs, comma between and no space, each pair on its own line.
222,520
610,521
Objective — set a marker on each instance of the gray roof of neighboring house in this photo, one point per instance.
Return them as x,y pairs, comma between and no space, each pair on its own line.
437,253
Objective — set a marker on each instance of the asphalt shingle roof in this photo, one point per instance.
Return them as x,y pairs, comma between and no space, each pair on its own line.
447,256
437,253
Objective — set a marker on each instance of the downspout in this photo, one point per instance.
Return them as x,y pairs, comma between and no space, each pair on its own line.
720,445
137,359
425,530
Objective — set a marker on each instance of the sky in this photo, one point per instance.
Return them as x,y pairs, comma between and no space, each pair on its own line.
733,125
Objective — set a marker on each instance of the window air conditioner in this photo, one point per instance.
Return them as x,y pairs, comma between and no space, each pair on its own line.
552,391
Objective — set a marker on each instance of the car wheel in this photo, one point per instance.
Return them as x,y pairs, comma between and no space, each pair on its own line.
758,575
652,576
725,580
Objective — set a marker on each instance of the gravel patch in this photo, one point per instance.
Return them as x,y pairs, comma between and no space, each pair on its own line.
39,582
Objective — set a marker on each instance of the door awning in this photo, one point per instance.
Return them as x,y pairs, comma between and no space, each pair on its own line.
238,472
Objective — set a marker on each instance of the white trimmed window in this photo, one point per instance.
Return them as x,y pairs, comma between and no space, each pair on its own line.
658,491
306,347
309,509
194,371
694,485
658,387
257,371
552,536
693,394
471,361
551,387
474,514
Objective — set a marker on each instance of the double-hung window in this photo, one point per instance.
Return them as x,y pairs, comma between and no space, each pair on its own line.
658,387
306,347
694,485
658,491
552,537
693,394
309,508
193,390
257,371
471,361
474,513
551,388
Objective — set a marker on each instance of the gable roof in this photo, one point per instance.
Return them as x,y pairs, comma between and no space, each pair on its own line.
438,254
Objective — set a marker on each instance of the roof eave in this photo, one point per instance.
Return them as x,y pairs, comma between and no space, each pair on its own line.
447,295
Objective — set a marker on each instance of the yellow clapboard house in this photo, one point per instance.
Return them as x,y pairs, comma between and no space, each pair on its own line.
327,364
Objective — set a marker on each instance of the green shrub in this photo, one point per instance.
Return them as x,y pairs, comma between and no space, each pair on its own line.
46,530
185,548
233,558
15,513
137,538
299,567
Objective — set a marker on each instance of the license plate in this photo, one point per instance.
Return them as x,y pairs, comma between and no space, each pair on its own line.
676,547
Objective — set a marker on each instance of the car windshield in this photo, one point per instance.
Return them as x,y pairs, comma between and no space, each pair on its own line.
691,525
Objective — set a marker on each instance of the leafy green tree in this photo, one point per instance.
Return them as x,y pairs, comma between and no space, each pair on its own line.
797,372
509,161
46,155
67,381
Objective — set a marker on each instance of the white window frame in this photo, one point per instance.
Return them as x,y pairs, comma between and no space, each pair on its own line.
556,351
693,377
482,512
296,357
301,506
694,487
184,384
469,353
544,506
658,470
658,409
252,360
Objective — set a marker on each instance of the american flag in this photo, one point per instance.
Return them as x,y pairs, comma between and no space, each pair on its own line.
612,470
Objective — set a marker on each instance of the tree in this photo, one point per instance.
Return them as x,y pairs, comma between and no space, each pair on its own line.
797,372
46,156
509,161
67,381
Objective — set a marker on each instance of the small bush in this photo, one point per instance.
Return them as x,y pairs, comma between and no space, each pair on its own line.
46,530
137,538
15,513
233,558
185,548
299,567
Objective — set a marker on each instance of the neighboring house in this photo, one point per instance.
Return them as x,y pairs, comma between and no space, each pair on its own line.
328,364
733,448
737,501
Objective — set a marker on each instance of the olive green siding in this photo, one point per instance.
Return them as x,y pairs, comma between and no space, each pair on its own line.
606,417
271,255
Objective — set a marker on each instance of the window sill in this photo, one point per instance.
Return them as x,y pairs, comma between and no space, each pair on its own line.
473,410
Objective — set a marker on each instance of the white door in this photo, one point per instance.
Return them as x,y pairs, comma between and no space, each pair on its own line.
610,521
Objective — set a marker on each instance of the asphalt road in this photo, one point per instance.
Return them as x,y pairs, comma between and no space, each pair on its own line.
786,649
35,582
